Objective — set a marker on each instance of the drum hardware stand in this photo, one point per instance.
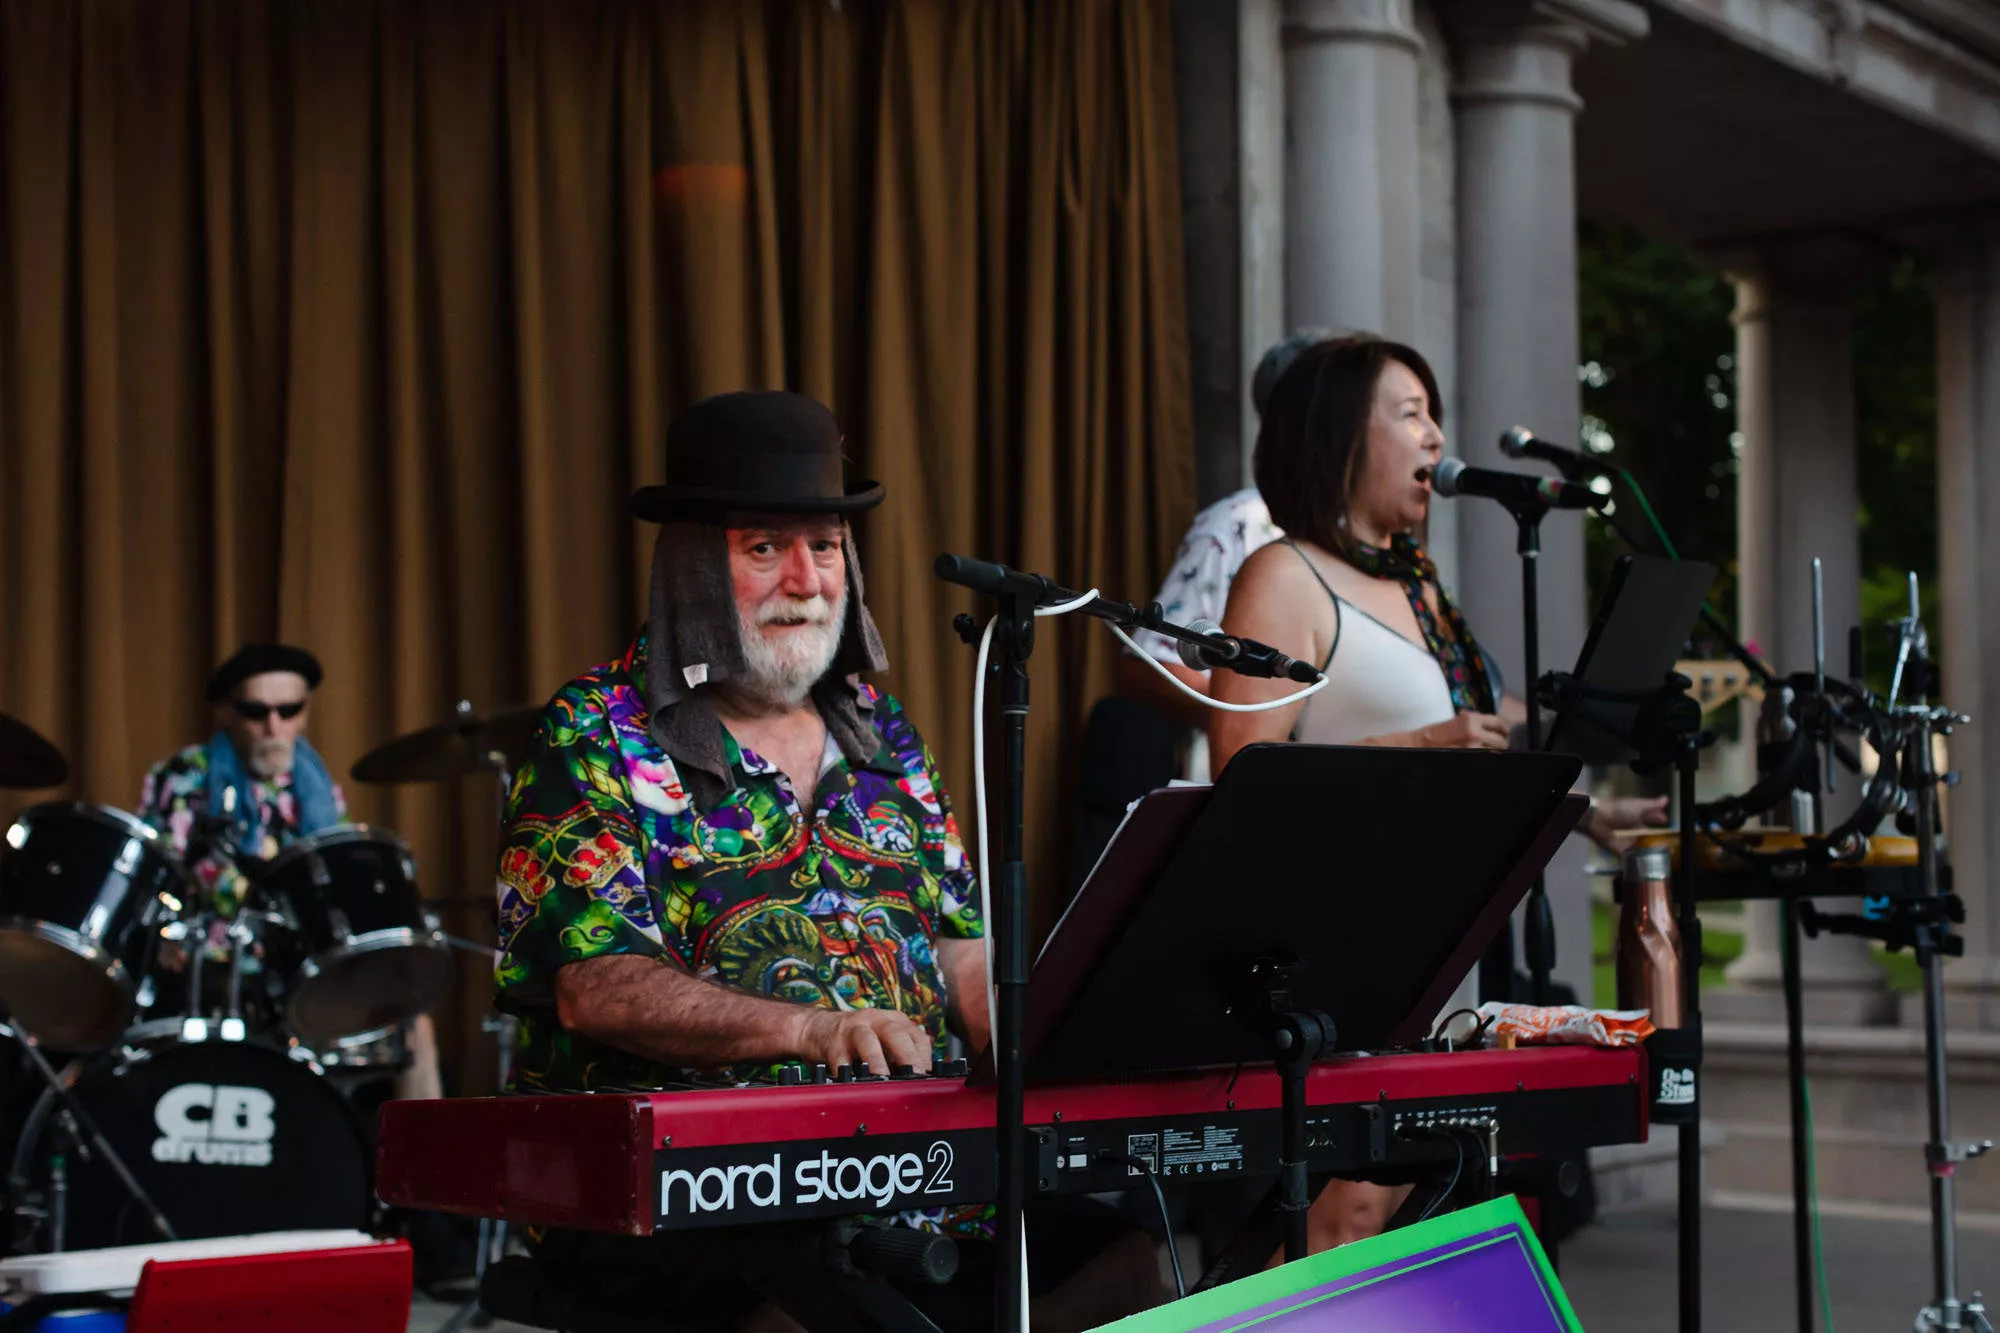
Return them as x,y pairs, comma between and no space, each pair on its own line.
88,1138
1666,732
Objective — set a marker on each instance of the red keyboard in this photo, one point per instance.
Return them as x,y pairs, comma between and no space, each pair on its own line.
640,1162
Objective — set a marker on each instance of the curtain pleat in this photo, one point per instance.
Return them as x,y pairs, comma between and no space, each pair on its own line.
355,324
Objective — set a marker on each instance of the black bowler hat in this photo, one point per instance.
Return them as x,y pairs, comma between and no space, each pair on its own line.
256,659
763,452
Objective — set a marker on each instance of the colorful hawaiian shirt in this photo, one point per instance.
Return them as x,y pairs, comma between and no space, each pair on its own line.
1219,540
175,795
604,853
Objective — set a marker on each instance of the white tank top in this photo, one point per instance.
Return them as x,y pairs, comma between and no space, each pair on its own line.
1378,681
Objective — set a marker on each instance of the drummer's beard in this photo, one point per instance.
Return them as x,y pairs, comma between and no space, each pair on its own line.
270,759
780,672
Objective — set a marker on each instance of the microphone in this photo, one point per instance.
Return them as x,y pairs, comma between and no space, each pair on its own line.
1246,657
1519,491
988,577
1575,464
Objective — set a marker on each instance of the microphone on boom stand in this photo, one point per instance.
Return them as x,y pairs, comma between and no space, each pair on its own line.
1520,492
1246,657
1575,464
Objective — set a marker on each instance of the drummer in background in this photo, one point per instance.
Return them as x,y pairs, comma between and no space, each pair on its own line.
263,700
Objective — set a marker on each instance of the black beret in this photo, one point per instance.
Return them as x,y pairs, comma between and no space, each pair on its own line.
254,659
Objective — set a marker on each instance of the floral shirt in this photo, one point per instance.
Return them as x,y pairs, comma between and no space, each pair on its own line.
603,853
1221,538
175,795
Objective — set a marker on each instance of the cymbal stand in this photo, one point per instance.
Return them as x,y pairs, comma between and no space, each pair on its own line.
89,1138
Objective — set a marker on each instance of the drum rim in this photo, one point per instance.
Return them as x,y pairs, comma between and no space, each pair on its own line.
109,815
65,938
391,937
375,941
335,835
76,942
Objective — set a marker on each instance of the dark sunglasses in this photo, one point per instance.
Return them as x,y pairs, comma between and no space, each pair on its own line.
251,711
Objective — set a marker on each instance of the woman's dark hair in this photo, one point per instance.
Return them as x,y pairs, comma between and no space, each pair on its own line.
1315,429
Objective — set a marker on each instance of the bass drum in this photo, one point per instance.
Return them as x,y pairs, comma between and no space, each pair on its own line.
228,1138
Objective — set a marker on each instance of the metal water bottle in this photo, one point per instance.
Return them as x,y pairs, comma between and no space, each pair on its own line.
1648,951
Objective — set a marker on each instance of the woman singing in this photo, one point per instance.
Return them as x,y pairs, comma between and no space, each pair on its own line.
1349,437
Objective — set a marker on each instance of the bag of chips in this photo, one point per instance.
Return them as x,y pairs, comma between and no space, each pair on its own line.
1562,1025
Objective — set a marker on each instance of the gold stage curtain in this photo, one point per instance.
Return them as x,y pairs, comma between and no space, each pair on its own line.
355,325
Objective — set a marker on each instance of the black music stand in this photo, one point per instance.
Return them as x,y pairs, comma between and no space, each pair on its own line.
1641,623
1316,898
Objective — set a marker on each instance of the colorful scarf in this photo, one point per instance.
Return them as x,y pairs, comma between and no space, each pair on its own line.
312,789
1451,643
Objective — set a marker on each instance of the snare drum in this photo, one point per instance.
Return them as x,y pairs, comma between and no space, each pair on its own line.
360,951
84,890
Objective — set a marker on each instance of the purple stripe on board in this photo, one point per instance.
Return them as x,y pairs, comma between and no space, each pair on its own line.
1484,1283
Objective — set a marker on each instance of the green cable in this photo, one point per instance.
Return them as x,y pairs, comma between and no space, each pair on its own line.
1653,522
1646,507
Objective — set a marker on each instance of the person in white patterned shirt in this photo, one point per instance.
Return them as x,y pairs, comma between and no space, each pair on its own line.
1220,539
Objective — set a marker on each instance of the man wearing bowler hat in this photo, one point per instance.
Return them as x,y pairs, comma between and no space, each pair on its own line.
725,853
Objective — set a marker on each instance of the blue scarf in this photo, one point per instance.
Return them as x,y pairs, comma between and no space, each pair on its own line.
312,789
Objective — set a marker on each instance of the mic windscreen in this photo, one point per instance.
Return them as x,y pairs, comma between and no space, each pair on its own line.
1444,477
1514,443
1192,653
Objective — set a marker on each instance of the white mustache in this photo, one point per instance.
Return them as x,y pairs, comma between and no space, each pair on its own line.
781,610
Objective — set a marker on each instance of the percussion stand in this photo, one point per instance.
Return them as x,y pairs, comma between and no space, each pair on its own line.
89,1138
1665,732
1923,924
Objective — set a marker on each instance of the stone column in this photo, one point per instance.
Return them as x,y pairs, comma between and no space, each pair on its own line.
1796,499
1351,177
1517,344
1968,288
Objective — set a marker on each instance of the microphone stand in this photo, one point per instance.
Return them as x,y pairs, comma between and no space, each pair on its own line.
90,1139
1496,969
1014,636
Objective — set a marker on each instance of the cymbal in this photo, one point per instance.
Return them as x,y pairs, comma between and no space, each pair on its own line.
468,745
26,759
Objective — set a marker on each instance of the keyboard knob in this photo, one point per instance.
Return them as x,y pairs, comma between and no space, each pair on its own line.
845,1074
903,1071
821,1074
951,1069
791,1076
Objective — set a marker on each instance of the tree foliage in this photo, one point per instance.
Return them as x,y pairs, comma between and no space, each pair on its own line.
1659,385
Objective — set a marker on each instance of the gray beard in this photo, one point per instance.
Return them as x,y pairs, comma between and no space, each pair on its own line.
271,763
777,681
